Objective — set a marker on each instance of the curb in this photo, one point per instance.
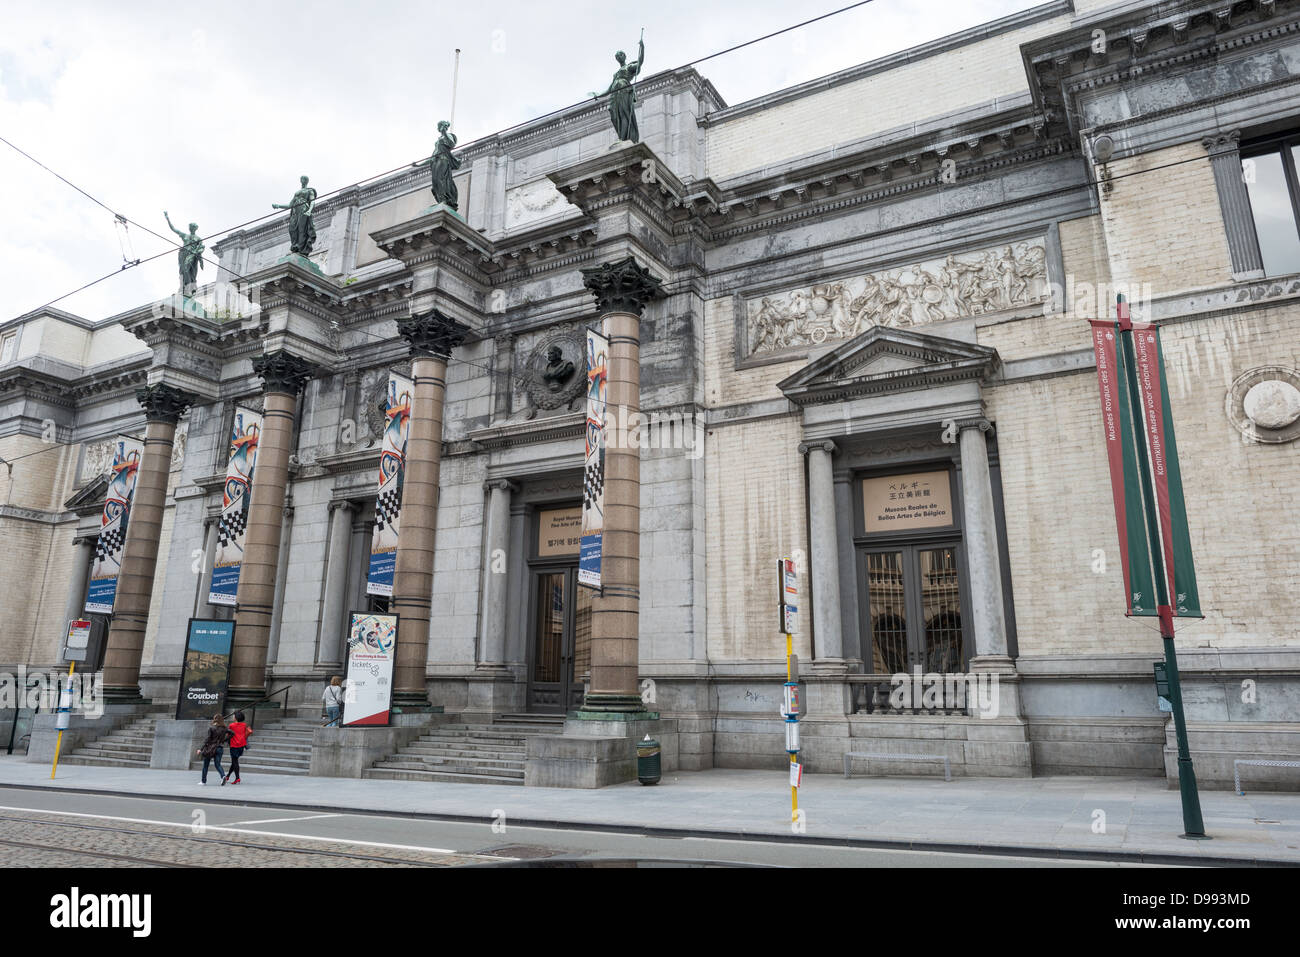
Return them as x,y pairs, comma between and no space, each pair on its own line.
777,837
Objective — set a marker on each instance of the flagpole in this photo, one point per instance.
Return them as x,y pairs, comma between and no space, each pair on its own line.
1193,825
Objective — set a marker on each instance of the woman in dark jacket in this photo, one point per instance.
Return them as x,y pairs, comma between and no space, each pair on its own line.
213,746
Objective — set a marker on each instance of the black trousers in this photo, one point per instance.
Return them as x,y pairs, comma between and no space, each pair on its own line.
234,763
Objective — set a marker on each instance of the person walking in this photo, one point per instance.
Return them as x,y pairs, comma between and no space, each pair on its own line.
332,701
218,734
239,733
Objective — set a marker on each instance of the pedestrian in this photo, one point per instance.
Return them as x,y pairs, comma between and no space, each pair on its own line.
218,734
332,701
239,733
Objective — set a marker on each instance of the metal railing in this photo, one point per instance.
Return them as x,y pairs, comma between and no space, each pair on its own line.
284,709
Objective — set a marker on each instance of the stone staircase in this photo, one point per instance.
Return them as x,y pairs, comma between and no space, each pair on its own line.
282,745
468,753
129,746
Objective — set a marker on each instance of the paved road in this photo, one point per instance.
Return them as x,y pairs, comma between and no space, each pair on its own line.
48,829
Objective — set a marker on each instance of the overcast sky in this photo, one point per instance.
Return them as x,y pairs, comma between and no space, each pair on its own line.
213,111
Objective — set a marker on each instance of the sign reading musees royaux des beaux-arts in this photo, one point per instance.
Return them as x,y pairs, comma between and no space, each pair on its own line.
900,503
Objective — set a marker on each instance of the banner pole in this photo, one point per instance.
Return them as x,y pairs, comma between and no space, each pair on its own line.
1193,825
58,743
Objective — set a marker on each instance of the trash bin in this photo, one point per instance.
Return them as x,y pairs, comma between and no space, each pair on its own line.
647,761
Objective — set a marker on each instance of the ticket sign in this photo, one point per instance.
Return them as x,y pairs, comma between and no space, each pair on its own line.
372,652
78,643
901,503
788,592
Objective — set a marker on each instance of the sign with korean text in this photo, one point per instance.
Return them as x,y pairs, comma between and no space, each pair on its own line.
901,503
559,532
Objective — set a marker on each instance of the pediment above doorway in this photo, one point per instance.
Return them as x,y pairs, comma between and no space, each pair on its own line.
886,360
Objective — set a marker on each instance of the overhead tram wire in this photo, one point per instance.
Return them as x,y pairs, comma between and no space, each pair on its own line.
398,169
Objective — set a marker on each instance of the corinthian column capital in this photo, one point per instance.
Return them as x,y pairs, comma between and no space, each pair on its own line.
283,372
163,403
432,335
622,286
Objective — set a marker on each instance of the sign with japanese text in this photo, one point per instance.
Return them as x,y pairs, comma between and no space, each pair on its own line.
900,503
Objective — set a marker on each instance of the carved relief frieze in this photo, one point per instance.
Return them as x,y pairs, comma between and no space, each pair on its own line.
950,287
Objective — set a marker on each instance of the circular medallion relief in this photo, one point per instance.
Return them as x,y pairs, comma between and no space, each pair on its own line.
1264,404
556,371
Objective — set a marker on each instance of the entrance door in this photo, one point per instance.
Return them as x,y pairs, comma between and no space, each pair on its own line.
914,609
561,640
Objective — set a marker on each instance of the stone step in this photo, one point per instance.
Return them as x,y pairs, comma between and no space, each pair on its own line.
266,763
245,768
476,736
515,754
92,761
403,774
494,765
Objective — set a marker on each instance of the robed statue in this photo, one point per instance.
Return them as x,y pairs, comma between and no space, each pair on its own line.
441,165
622,98
190,256
302,231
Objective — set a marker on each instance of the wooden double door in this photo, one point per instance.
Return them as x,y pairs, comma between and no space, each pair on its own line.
559,636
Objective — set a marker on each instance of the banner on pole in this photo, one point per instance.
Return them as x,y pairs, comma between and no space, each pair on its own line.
1171,508
206,669
372,650
1119,428
237,494
593,473
392,473
102,591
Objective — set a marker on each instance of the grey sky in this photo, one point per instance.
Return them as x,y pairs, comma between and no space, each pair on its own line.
213,117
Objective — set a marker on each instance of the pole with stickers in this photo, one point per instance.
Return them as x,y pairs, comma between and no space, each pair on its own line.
788,590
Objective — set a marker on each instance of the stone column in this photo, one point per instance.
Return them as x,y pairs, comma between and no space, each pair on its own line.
336,584
281,580
1234,202
210,530
496,575
163,406
83,549
432,337
503,369
981,534
824,559
284,375
622,291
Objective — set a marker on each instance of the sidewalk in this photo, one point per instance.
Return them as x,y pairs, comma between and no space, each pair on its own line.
1052,816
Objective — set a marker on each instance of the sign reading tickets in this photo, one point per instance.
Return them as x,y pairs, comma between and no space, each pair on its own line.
901,503
559,532
122,476
593,473
77,644
372,650
235,499
206,669
392,471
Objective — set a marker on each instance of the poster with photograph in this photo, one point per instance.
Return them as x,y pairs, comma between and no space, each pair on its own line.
206,669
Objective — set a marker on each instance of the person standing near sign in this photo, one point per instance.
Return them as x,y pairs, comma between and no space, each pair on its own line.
218,734
332,699
239,733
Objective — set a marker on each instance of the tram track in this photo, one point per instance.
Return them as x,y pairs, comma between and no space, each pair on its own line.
198,838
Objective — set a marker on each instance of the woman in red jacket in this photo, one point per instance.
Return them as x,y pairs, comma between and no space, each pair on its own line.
239,733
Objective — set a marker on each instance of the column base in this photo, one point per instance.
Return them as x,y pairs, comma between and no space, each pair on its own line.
604,703
413,702
123,694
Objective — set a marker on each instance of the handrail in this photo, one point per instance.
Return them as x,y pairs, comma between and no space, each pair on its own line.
274,694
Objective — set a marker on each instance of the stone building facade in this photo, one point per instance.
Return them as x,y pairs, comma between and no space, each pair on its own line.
870,353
